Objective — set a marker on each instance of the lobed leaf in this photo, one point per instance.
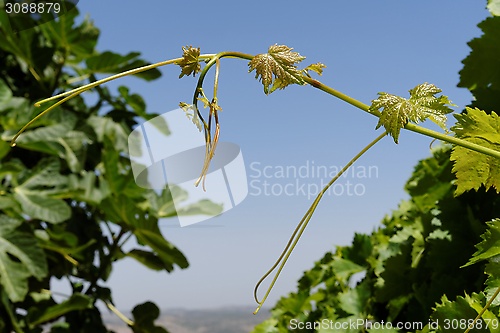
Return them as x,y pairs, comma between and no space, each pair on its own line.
471,168
190,63
277,68
422,104
317,68
489,248
20,258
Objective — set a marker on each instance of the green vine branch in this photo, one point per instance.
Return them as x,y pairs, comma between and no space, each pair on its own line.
409,126
277,69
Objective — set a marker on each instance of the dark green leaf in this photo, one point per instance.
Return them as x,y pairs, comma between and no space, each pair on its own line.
144,316
74,303
489,248
148,259
112,63
30,259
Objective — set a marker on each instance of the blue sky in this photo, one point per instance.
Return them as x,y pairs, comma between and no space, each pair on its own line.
368,46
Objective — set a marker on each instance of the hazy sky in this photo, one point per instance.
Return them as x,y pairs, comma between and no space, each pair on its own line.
368,46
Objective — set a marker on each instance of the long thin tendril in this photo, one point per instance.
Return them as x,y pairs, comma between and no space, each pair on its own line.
211,144
297,233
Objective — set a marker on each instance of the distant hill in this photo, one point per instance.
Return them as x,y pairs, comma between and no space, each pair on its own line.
223,320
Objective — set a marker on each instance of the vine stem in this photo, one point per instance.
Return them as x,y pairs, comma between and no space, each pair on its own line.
294,238
77,91
411,127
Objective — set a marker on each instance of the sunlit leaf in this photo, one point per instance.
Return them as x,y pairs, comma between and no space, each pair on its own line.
317,68
471,168
422,104
190,63
494,7
277,68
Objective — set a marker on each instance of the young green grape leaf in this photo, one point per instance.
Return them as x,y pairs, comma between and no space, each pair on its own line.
277,68
422,104
471,168
317,68
190,61
489,248
462,308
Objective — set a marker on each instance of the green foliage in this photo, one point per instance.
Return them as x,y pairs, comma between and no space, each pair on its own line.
422,104
478,127
479,73
277,68
20,258
69,201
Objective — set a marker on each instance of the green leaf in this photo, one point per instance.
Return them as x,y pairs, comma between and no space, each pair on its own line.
277,68
480,71
190,63
344,269
79,40
29,259
144,316
112,63
267,326
471,168
317,68
43,208
165,250
74,303
34,193
148,259
454,316
354,300
494,7
492,269
5,93
422,104
489,248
